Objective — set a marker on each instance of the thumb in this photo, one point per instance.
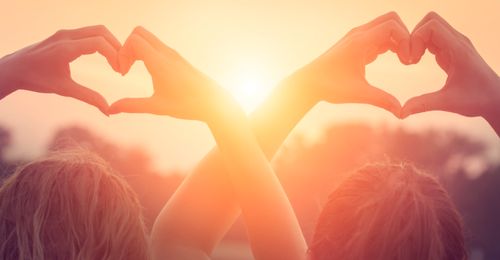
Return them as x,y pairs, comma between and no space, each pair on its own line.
130,105
136,48
75,90
423,103
377,97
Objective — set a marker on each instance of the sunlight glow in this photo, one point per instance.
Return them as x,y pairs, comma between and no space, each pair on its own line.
249,85
249,92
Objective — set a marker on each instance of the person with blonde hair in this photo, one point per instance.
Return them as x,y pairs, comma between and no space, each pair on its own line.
69,204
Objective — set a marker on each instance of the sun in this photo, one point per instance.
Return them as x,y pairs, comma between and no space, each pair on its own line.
249,92
249,86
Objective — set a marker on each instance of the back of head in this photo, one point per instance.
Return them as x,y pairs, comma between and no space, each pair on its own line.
389,212
70,205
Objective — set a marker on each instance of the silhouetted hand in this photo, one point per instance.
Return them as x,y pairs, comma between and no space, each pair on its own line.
472,87
180,90
44,67
338,76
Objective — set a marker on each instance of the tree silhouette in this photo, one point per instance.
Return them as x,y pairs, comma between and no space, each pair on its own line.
310,171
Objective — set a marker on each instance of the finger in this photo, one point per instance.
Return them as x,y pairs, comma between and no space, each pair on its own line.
92,31
85,32
137,48
435,37
423,103
435,16
72,49
131,105
73,89
377,97
389,35
153,40
379,20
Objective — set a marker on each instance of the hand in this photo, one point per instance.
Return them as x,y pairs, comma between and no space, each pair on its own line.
472,87
180,90
338,76
44,67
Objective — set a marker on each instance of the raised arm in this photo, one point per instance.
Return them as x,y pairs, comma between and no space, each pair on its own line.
207,191
183,92
472,87
44,66
272,226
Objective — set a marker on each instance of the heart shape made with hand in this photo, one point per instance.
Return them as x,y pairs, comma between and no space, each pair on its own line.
180,90
407,81
465,69
132,85
454,53
169,70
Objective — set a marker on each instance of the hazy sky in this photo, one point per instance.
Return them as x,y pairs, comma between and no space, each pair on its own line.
246,45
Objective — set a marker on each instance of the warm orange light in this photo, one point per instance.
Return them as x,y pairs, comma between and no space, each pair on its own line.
249,85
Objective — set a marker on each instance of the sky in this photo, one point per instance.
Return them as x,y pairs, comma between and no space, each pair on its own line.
247,46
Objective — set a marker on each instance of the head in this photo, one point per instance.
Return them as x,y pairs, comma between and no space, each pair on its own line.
70,205
390,212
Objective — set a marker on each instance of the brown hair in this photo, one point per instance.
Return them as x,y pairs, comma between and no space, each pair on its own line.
390,212
70,205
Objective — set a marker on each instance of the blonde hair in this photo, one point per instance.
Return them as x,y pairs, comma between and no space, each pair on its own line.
389,211
70,205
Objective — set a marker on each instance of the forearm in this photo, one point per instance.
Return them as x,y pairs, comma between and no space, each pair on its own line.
273,121
201,210
208,192
267,212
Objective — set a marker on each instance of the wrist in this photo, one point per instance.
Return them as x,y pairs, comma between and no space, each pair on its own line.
492,111
5,84
492,108
300,88
494,122
221,108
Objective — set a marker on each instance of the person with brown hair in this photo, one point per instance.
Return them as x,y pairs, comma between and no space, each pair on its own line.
396,211
389,211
